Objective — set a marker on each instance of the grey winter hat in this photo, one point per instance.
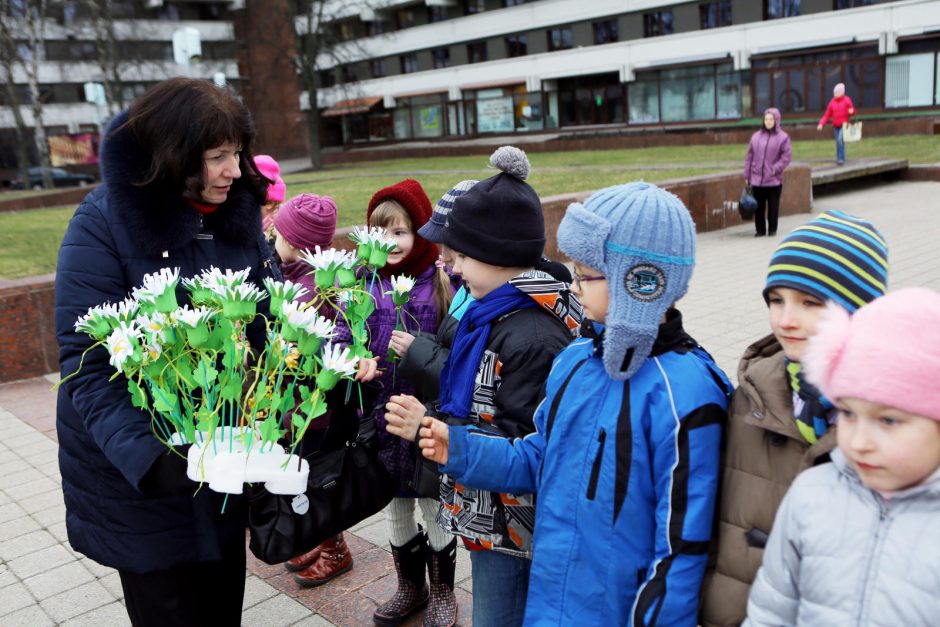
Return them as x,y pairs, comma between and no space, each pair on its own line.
643,240
433,230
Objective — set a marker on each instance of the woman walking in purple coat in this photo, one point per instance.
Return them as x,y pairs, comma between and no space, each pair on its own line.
768,155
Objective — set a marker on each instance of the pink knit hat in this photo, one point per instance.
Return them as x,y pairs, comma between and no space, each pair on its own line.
272,171
307,221
888,352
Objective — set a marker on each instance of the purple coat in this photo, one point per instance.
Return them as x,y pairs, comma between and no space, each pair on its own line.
768,154
396,453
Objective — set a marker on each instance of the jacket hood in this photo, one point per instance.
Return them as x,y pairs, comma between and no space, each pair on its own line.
552,296
774,111
157,216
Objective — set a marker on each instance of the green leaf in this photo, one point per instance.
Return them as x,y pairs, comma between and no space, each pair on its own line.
269,430
164,402
287,403
230,358
262,402
298,421
138,396
232,389
205,374
186,374
205,420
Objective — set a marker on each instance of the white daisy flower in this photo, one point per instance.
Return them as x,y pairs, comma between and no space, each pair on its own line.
402,284
122,343
337,359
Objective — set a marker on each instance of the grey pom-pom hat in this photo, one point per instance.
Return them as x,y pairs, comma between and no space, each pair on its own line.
643,239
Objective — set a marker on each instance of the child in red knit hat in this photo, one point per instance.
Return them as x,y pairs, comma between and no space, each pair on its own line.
401,209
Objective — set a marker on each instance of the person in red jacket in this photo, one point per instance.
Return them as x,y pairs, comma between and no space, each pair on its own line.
840,109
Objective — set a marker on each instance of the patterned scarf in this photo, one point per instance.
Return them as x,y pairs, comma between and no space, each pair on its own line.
459,375
810,408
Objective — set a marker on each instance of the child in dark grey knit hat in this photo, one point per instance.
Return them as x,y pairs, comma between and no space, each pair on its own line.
625,454
501,355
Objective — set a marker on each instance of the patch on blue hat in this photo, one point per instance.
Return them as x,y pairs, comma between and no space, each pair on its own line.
645,282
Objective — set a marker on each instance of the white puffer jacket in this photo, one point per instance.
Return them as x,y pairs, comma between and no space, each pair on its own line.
840,554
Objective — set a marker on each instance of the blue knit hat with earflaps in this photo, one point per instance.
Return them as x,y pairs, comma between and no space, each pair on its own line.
643,240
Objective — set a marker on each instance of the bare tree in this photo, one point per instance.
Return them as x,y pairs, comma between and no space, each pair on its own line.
8,59
101,14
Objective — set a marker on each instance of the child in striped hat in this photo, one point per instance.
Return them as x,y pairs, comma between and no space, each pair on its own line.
779,423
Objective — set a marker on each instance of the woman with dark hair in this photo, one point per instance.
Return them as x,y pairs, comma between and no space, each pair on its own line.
180,190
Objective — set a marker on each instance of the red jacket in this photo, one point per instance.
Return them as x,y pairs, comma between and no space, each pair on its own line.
839,110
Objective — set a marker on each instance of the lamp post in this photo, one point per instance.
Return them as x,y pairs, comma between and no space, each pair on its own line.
187,47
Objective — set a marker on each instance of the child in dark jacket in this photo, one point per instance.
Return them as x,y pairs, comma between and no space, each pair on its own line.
493,377
625,453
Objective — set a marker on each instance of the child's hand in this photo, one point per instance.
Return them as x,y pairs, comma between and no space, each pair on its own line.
403,416
368,370
400,342
435,438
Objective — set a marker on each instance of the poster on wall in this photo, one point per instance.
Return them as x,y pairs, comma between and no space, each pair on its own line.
430,119
494,115
80,148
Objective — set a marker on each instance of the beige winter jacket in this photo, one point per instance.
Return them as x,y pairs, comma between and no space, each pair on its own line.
764,454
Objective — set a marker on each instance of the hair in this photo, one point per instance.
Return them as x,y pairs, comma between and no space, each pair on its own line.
390,211
177,120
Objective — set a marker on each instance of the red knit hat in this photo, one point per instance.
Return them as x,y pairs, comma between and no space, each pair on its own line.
412,197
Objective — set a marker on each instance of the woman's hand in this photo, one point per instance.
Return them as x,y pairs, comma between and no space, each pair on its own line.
400,342
368,369
435,438
403,416
819,127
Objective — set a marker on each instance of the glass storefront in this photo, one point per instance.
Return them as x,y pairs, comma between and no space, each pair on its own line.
684,94
803,82
912,78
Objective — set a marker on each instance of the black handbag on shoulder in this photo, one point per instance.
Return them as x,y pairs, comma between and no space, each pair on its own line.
347,484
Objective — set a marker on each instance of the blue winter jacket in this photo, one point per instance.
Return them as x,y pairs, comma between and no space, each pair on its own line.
626,475
120,232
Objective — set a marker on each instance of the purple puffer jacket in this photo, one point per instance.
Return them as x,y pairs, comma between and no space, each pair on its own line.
420,315
768,154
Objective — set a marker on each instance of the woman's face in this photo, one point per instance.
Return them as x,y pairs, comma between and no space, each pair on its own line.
220,169
769,120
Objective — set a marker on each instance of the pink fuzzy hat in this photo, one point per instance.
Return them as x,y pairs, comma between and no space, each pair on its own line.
272,171
888,352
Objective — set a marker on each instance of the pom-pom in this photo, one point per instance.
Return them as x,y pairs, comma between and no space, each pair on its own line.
511,160
826,347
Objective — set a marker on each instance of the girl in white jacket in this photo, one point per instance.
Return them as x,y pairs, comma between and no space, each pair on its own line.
856,542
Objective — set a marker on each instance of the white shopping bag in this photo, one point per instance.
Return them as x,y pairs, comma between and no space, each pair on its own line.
852,132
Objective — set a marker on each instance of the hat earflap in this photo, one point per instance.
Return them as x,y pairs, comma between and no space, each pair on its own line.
582,234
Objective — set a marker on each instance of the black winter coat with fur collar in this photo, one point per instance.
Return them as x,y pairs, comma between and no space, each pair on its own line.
120,232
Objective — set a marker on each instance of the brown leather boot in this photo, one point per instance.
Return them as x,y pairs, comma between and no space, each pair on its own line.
302,561
442,606
335,559
412,593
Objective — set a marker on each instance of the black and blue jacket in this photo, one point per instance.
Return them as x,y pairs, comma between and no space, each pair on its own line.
625,475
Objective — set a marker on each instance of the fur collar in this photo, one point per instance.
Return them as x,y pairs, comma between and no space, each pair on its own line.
157,217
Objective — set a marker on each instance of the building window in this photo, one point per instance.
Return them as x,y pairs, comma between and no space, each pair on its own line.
348,75
473,6
715,14
327,78
437,14
377,27
559,38
378,68
512,3
704,92
850,4
405,18
606,32
476,52
774,9
516,46
409,63
441,58
909,80
657,23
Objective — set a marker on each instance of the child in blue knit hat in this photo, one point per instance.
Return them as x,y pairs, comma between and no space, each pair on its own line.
779,423
625,455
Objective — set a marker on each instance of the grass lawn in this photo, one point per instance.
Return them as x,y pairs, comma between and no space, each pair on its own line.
29,240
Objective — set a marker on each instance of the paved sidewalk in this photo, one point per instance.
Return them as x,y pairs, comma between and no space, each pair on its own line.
42,582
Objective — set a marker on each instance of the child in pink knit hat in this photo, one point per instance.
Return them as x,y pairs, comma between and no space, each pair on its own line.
857,541
277,191
303,223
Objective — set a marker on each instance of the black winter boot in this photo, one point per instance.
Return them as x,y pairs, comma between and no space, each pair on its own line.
412,593
442,607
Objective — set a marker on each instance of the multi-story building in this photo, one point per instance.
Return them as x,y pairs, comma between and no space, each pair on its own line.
411,69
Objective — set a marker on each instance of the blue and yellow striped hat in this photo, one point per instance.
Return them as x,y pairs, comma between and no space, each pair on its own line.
835,257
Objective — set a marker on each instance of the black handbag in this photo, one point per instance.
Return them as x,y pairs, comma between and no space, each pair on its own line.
747,206
347,484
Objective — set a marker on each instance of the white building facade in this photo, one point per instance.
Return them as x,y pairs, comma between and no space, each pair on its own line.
457,68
